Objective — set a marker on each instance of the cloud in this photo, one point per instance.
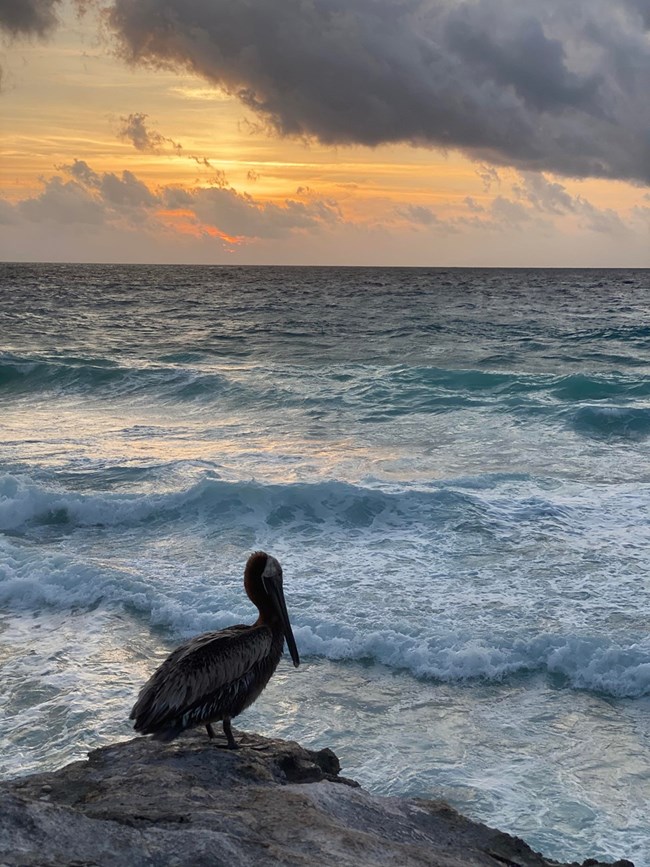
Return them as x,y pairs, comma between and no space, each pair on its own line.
126,191
7,213
80,195
488,175
548,86
134,129
603,220
545,195
28,17
473,205
238,214
63,202
420,215
552,197
81,171
81,214
512,214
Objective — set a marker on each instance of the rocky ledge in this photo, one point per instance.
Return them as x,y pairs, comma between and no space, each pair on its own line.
272,802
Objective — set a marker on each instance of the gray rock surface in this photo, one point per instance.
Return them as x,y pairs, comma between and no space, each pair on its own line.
143,804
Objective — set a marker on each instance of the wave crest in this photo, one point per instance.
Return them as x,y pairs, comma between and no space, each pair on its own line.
586,663
613,422
31,580
298,505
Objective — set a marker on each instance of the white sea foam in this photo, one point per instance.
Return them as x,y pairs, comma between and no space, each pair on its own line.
33,580
586,663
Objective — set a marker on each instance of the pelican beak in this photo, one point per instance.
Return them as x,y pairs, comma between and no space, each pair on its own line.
277,596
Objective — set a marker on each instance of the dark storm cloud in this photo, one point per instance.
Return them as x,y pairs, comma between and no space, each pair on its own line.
28,17
642,7
540,84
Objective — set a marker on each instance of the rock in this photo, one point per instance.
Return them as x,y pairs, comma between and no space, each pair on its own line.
145,804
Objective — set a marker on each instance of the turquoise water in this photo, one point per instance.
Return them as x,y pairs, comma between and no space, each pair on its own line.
452,467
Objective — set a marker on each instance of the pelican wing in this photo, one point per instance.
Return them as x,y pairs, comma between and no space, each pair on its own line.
196,670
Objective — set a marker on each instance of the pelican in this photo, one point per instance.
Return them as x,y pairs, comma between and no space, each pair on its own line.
215,676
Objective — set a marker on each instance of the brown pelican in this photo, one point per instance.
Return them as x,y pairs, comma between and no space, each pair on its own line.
217,675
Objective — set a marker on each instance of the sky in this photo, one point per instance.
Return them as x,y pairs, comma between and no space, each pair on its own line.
343,132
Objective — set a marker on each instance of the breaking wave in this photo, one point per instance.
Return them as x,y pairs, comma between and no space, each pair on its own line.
335,505
613,422
33,579
586,663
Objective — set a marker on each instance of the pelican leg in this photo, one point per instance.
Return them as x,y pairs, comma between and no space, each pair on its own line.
210,731
232,743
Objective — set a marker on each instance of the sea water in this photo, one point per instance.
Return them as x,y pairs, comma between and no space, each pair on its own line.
452,466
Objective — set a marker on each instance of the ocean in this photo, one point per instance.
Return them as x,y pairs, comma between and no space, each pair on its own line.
452,466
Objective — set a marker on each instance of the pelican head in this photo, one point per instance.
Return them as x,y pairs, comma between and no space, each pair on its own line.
263,584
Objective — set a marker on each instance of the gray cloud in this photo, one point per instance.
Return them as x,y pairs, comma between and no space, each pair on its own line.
603,220
420,214
537,198
473,205
134,129
554,86
63,202
7,213
94,198
118,192
239,214
510,213
28,17
545,195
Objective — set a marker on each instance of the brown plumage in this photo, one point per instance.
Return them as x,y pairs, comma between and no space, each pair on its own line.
217,675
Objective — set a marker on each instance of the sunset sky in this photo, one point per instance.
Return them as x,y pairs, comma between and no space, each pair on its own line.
379,132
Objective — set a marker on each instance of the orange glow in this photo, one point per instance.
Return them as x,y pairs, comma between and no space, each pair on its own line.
185,222
394,204
216,233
